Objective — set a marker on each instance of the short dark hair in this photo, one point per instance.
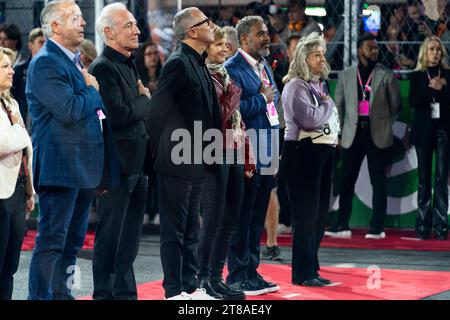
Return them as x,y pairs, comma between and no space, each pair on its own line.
297,3
364,38
294,36
13,33
34,34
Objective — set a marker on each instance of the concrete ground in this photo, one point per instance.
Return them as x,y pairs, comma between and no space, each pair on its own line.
148,266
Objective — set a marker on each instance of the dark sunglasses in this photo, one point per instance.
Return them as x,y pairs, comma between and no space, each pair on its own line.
200,23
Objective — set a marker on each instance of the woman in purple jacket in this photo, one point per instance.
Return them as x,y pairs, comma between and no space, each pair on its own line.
311,135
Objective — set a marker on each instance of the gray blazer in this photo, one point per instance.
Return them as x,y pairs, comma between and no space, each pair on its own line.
385,105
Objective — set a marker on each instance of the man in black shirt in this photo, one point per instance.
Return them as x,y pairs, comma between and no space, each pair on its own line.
185,95
368,101
128,104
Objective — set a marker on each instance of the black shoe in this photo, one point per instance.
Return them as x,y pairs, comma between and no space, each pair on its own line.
310,283
250,288
269,286
423,232
324,281
272,253
227,292
441,234
204,283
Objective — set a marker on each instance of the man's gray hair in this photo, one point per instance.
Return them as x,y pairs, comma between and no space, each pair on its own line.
106,18
52,13
182,21
245,24
299,67
231,35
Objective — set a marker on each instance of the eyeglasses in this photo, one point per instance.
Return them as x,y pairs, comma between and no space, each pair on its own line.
200,23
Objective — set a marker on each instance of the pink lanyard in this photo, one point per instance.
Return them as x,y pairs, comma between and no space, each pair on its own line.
263,74
365,88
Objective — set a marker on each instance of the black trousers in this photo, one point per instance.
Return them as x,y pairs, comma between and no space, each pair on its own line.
283,200
352,159
243,258
117,239
310,168
179,210
433,216
12,232
223,192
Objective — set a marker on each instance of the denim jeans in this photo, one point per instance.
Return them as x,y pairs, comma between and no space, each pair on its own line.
62,227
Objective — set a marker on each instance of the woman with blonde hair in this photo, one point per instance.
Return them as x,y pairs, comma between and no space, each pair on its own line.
16,186
429,96
311,135
223,190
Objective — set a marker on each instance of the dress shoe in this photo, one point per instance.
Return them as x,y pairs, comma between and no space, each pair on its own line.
441,234
324,281
423,232
227,292
310,283
204,283
338,231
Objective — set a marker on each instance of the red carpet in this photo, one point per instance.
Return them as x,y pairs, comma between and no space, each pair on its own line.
396,239
393,285
28,242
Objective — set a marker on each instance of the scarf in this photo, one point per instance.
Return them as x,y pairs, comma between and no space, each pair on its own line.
220,69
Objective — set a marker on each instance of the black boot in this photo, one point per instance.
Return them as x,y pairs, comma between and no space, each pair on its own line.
226,291
204,283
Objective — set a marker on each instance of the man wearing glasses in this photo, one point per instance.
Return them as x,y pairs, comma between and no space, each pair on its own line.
185,95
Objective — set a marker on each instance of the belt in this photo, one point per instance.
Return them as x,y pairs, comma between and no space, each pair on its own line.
363,123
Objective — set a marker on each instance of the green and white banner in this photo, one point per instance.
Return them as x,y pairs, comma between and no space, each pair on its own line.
403,180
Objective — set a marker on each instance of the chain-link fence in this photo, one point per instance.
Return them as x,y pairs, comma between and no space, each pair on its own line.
399,25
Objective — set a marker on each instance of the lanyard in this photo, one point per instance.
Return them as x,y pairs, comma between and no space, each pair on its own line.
262,74
365,88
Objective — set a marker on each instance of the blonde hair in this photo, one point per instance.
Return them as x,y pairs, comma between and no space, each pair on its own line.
299,67
6,52
422,61
219,33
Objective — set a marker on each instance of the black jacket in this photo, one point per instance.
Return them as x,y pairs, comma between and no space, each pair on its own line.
127,109
420,98
185,94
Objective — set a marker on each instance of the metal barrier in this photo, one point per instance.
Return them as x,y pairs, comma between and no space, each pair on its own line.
402,24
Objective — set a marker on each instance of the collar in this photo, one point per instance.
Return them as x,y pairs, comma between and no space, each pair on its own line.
200,58
113,54
252,61
68,53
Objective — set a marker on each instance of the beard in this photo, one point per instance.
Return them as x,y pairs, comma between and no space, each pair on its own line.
263,52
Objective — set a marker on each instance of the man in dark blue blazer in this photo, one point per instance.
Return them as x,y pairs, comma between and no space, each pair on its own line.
73,150
250,71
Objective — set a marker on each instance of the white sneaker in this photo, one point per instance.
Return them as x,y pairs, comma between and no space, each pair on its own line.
181,296
339,234
380,235
200,294
282,229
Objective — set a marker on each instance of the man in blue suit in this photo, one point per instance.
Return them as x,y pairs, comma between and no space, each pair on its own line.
73,152
259,97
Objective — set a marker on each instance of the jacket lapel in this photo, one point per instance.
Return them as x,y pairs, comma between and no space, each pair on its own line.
352,85
55,49
202,81
377,77
248,68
